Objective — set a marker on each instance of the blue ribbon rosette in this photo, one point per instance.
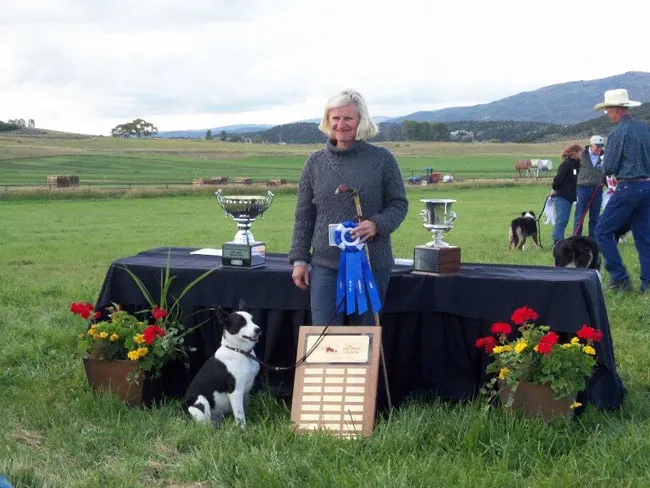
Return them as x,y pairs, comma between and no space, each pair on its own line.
355,278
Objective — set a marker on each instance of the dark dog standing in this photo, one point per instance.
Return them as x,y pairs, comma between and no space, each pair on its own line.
522,228
577,252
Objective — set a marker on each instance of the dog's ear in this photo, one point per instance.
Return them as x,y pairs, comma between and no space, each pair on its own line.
242,305
531,213
523,214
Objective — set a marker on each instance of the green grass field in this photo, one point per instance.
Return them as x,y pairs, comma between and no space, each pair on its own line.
104,161
56,434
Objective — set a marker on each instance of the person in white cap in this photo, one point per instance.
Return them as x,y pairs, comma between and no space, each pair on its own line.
628,158
589,192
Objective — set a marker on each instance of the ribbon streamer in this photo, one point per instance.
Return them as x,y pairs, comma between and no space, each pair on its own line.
355,280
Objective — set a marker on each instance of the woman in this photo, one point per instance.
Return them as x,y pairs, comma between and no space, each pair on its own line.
374,173
564,189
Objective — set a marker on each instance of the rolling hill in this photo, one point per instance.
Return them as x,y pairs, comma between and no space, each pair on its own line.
564,103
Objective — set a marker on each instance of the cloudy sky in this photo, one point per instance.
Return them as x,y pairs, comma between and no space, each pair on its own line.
88,65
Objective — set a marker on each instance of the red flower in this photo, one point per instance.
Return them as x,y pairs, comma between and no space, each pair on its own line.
523,315
598,335
544,347
158,313
82,309
151,332
550,338
486,343
589,334
501,328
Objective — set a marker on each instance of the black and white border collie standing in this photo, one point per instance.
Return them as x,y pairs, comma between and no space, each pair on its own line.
577,252
521,228
222,384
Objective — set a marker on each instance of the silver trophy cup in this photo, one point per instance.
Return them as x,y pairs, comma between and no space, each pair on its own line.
438,218
243,250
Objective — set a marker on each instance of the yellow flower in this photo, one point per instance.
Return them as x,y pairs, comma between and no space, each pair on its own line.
139,339
114,337
142,351
575,340
589,350
502,373
535,348
566,346
92,331
575,405
497,349
103,335
521,346
81,336
507,348
133,355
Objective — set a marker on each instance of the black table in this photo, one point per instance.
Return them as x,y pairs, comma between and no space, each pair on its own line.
430,323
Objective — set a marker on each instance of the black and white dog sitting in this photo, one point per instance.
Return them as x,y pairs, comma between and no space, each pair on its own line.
577,252
521,228
222,384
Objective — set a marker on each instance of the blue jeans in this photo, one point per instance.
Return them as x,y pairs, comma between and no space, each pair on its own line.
585,194
323,284
629,203
562,214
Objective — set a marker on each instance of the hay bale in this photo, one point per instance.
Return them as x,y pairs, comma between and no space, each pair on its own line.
62,181
244,180
275,182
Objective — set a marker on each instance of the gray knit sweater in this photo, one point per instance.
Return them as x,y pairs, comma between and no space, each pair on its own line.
370,169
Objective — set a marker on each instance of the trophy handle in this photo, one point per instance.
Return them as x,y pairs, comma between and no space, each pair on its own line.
423,215
452,217
219,195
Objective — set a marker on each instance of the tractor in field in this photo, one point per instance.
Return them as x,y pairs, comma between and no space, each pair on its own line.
427,178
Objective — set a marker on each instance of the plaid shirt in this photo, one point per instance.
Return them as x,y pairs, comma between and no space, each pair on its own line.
628,150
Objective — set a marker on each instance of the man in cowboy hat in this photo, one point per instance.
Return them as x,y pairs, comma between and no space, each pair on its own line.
628,158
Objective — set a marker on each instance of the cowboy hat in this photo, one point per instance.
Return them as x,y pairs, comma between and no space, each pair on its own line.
616,98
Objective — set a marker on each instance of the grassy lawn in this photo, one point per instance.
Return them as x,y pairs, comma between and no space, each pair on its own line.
56,434
104,161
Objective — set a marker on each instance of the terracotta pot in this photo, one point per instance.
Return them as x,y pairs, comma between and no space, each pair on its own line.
536,400
104,375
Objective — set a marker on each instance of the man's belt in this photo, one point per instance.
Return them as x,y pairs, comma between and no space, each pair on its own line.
638,178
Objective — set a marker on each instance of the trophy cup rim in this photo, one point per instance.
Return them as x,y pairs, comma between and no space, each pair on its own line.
437,200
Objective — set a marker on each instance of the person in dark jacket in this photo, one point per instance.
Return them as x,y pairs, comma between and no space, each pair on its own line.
589,194
564,189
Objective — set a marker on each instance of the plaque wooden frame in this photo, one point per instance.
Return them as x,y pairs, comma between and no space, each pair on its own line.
335,388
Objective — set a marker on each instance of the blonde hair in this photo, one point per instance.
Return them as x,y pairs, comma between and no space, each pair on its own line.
570,149
367,127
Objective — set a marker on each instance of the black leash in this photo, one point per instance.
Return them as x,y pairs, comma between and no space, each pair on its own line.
251,356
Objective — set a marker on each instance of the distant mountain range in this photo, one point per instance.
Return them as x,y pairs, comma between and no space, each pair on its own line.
562,104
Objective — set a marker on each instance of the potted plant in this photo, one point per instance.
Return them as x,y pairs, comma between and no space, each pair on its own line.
126,352
533,370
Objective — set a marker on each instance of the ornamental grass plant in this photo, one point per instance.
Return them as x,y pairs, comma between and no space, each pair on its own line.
534,353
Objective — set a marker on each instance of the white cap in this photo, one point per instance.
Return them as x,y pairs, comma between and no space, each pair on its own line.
598,140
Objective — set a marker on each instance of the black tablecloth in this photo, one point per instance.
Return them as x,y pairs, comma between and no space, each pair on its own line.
430,323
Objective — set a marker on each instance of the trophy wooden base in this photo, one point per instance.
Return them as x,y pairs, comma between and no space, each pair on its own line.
245,256
436,260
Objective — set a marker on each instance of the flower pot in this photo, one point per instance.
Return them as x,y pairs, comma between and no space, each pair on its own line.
104,375
536,400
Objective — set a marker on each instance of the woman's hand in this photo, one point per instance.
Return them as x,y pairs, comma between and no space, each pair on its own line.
367,229
300,276
552,194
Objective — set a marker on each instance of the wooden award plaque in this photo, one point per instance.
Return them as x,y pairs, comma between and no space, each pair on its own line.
335,389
